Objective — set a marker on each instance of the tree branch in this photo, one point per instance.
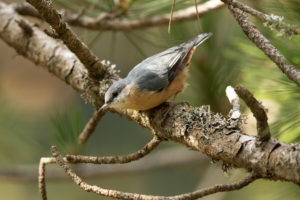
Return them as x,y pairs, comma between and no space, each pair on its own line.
96,160
233,98
123,24
90,126
156,160
42,175
128,25
133,196
264,44
90,61
197,128
116,159
24,8
280,25
258,110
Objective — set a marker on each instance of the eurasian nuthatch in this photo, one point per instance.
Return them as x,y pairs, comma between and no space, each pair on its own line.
154,80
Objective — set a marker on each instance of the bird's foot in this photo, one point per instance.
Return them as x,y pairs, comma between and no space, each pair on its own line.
172,105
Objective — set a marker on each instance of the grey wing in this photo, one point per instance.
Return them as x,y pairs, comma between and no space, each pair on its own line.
151,81
156,72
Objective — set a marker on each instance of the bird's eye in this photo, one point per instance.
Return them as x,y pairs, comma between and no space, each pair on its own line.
115,94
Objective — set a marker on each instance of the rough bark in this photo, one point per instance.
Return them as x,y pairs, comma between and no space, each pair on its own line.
258,110
65,33
197,128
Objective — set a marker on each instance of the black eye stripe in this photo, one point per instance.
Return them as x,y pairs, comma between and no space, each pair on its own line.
115,94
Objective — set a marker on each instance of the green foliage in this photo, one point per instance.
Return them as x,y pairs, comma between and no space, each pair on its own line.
66,127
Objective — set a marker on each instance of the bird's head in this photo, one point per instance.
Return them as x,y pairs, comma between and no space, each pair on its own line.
115,96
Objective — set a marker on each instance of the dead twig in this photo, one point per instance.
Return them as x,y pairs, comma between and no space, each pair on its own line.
90,127
273,21
258,110
96,160
24,8
164,158
134,196
233,98
42,174
26,27
116,159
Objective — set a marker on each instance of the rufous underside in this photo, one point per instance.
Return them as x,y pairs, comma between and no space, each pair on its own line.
144,100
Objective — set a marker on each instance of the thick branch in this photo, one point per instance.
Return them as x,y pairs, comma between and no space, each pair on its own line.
91,62
264,44
197,128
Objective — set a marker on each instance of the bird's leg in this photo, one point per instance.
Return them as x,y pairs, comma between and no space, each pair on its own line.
173,104
174,97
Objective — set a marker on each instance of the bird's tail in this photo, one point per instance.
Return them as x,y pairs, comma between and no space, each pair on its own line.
201,38
190,46
196,41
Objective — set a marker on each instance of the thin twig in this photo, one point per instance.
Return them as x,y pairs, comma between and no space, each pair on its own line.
96,160
116,159
164,158
42,178
24,8
90,61
134,196
264,44
26,27
128,25
234,101
259,112
51,33
90,127
266,17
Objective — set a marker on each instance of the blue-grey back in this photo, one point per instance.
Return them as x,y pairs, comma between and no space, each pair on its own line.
152,74
158,71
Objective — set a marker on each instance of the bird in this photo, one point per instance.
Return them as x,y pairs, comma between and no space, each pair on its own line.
155,80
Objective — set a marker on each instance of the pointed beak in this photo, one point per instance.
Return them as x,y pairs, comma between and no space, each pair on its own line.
103,107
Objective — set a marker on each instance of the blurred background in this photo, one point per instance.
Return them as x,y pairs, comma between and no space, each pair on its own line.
38,110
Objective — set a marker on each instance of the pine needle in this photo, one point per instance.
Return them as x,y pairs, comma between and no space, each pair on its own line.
198,18
171,16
